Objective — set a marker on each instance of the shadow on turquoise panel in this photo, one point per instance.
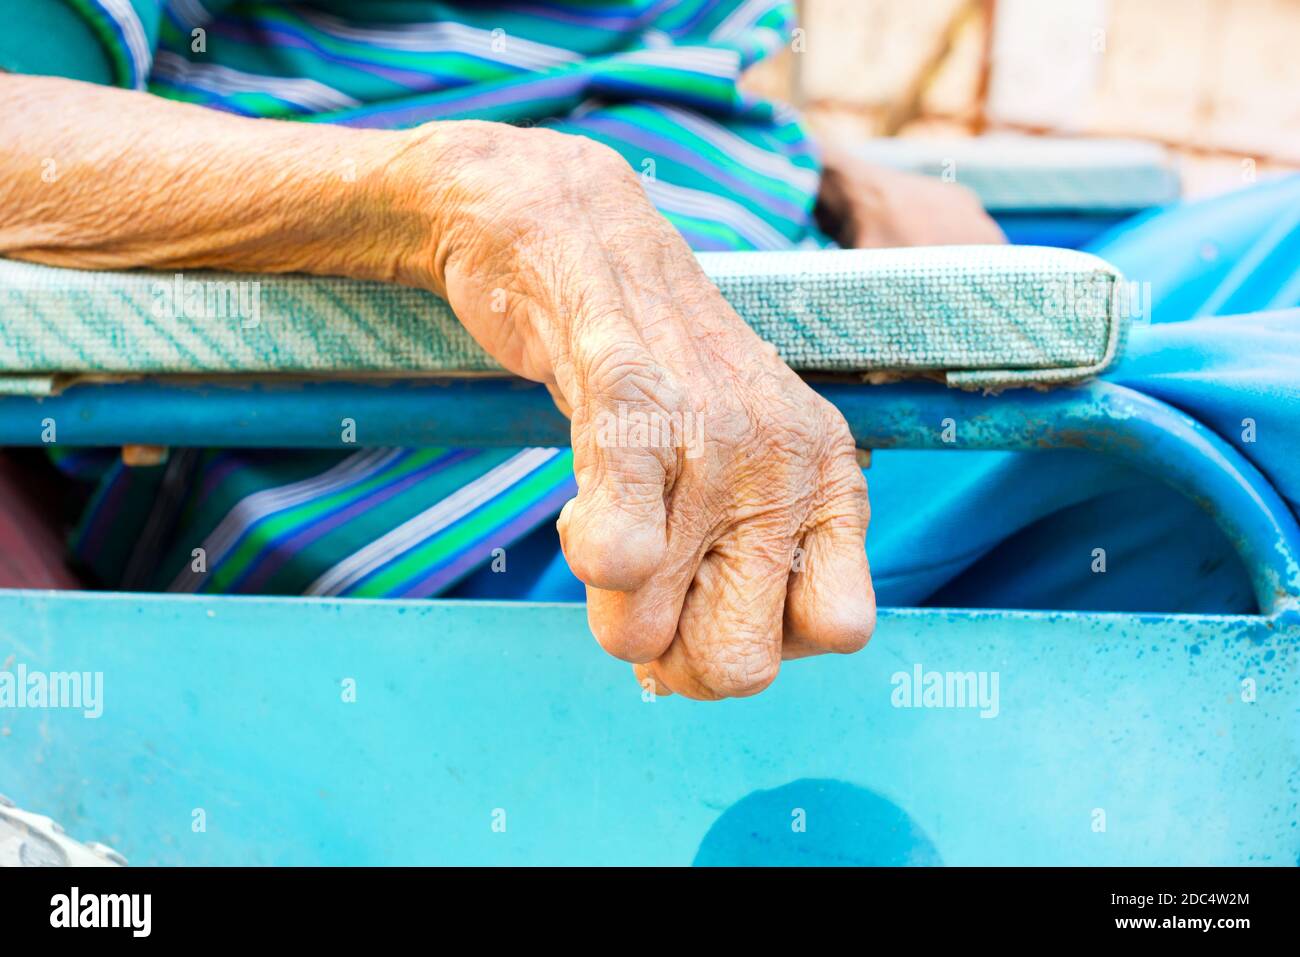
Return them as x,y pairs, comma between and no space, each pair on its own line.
842,825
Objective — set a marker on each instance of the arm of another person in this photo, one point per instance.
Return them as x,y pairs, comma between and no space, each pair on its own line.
864,206
549,252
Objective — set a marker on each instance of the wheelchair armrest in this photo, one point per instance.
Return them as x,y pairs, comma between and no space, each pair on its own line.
979,317
1040,174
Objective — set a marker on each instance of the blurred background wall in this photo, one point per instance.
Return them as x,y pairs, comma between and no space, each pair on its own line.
1217,81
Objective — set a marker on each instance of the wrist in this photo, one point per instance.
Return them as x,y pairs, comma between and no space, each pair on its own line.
427,192
352,220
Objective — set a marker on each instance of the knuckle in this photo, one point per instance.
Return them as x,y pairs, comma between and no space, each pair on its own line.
588,560
730,425
599,158
745,678
839,628
847,497
638,641
724,652
844,486
787,416
610,364
847,636
595,558
624,372
609,546
793,422
836,432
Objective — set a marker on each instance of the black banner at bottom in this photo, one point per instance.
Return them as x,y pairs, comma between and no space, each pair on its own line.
335,906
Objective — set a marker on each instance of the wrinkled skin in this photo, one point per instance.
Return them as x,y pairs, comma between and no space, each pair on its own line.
705,570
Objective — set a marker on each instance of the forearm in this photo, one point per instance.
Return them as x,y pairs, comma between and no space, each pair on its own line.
103,178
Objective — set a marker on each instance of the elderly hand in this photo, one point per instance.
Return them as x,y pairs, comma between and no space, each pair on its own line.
721,514
728,532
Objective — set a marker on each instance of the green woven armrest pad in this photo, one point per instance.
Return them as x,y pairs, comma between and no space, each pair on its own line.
983,316
1040,173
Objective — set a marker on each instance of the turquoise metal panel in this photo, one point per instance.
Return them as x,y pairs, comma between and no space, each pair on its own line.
1118,739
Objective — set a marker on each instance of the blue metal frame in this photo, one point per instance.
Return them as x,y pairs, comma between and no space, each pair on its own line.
1069,230
493,411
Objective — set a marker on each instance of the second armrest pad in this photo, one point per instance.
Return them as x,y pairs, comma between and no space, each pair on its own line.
983,316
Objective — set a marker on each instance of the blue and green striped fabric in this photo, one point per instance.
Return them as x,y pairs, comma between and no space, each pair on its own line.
654,79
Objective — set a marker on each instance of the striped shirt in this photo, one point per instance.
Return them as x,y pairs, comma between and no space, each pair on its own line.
654,79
